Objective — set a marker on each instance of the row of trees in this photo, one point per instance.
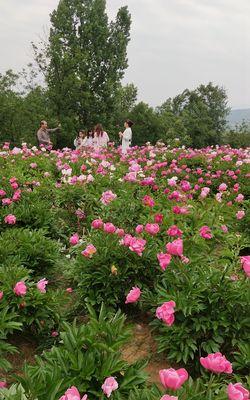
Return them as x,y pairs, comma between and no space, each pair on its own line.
83,62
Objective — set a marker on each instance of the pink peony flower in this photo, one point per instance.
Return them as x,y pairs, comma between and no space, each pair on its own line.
1,295
237,392
205,232
222,187
137,245
10,219
224,228
152,229
175,248
166,312
54,334
41,285
164,260
3,384
240,214
120,232
74,239
158,218
139,229
133,295
148,201
73,394
20,289
69,290
204,192
97,224
168,397
217,363
173,379
2,193
239,198
245,263
109,227
174,231
89,251
108,197
110,384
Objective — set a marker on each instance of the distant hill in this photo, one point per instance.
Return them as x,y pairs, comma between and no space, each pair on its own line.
238,116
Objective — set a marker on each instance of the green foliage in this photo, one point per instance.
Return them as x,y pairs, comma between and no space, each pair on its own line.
8,324
238,137
86,355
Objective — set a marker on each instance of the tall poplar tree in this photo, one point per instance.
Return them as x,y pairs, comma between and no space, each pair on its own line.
84,61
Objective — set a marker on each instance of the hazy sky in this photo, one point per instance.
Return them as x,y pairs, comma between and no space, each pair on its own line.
175,44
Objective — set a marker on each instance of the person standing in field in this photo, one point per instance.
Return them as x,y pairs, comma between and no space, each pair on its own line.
101,137
43,134
126,136
90,137
81,140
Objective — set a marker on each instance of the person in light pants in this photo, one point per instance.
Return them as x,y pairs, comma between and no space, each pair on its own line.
126,136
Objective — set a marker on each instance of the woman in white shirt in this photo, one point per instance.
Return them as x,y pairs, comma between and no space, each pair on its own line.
126,136
90,138
80,140
101,137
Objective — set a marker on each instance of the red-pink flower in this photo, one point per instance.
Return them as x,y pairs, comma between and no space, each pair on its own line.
108,197
164,260
74,239
1,295
133,295
3,384
41,285
73,394
174,231
139,229
137,245
109,227
217,363
89,251
10,219
168,397
222,187
224,228
54,334
173,379
158,218
97,224
166,312
120,232
175,248
205,232
69,290
148,201
237,392
20,289
110,384
152,229
245,263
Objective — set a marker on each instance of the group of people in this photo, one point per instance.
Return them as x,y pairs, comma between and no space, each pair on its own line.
96,138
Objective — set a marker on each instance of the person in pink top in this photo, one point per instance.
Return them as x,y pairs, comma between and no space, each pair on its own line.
101,137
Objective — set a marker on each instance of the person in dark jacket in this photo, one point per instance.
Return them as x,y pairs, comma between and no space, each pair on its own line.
43,134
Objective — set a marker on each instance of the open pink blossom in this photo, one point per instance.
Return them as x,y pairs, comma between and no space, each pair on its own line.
41,285
1,295
237,392
174,231
137,245
108,197
73,394
152,229
168,397
10,219
74,239
110,384
245,263
222,187
20,289
3,384
109,227
175,248
240,214
217,363
133,295
205,232
164,260
97,224
166,312
139,229
148,201
173,379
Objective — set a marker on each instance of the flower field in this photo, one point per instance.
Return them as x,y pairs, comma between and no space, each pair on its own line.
95,243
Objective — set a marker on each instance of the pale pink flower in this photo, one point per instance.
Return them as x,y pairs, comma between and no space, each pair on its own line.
205,232
137,245
6,202
239,198
10,219
222,187
245,263
69,290
73,394
224,228
97,224
152,229
168,397
89,251
20,289
166,312
108,197
240,214
175,248
109,227
217,363
41,285
110,384
133,295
